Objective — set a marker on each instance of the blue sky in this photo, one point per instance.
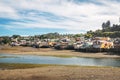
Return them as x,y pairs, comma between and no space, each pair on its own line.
33,17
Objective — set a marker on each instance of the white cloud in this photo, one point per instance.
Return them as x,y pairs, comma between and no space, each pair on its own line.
79,16
7,12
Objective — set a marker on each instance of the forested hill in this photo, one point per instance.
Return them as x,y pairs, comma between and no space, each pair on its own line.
107,31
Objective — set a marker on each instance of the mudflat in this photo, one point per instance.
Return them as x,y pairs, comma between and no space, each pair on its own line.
53,52
61,73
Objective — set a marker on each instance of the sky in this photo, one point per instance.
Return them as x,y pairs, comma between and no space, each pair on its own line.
34,17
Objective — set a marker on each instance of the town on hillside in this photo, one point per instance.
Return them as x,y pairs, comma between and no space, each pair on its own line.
105,40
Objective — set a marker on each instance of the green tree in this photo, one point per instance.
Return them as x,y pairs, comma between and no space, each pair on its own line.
88,35
78,35
106,26
6,40
16,36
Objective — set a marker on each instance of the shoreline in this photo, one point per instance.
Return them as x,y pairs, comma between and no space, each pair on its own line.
12,66
52,52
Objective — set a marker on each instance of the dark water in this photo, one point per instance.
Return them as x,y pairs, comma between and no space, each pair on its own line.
11,58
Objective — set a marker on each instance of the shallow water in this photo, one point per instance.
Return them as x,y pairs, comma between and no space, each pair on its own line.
34,59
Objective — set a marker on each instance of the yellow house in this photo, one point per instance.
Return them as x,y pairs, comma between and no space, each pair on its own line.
102,44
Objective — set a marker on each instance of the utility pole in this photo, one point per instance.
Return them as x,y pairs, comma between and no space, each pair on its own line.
119,19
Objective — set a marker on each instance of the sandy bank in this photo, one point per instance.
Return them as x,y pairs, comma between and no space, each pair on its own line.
53,52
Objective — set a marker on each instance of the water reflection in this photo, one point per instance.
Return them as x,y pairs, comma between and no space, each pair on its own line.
58,60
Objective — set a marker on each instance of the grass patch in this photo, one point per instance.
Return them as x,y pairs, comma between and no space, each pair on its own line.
25,66
60,56
20,65
63,56
8,57
70,56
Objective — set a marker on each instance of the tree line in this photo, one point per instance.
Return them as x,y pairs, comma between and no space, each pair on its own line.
107,31
7,39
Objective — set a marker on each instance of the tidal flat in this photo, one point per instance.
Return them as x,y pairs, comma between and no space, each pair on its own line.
57,72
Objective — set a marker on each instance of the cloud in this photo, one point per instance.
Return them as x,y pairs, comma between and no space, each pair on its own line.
71,15
7,12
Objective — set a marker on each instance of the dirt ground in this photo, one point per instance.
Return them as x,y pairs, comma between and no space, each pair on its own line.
61,73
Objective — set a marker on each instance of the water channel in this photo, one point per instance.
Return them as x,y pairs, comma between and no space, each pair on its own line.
35,59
